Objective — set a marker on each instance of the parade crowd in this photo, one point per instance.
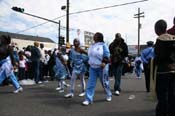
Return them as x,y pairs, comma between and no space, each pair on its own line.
98,62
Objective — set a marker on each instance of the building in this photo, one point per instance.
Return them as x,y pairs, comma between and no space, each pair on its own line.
24,40
88,38
133,49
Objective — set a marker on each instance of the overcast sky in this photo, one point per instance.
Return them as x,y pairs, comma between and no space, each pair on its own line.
108,21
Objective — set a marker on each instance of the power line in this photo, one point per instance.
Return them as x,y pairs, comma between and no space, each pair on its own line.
101,8
83,11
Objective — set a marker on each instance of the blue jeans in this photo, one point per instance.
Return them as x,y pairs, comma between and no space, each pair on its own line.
94,73
12,78
138,71
5,71
117,71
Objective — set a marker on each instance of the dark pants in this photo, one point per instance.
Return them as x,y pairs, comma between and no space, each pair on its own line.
41,74
147,76
36,70
165,88
21,74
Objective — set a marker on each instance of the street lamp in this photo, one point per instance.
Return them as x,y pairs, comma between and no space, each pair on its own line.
67,20
18,9
21,10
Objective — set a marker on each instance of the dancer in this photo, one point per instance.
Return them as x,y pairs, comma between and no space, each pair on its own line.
98,55
78,59
7,62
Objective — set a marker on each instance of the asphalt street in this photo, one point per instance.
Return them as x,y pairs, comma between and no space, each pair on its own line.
44,100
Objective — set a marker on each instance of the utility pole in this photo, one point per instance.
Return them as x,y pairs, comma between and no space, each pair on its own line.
59,32
67,23
138,16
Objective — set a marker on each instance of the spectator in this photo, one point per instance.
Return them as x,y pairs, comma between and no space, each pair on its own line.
172,30
35,58
165,61
119,51
42,58
146,55
22,67
138,68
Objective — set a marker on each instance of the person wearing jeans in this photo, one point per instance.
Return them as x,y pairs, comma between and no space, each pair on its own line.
119,51
138,69
6,61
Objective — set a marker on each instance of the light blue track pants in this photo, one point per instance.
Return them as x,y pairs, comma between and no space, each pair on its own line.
102,74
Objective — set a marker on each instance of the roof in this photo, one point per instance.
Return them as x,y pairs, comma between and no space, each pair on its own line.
27,37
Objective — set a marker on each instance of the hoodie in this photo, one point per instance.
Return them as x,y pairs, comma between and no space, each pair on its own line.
165,53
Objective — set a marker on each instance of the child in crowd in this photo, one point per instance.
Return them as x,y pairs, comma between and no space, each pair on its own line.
60,71
22,67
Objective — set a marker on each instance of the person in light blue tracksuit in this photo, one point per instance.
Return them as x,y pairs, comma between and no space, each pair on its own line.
78,57
138,66
6,61
98,54
60,70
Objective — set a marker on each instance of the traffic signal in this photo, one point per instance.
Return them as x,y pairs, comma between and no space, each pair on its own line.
61,40
21,10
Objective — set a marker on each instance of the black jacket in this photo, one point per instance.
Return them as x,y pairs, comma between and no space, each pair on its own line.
118,51
165,53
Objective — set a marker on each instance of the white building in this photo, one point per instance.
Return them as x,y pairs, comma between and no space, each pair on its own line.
25,40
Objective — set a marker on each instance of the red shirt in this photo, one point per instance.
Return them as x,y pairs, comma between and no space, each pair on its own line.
171,30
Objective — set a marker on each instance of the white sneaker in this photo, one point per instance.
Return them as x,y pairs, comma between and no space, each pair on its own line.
61,90
69,95
40,82
65,84
81,94
86,103
20,89
58,88
117,93
109,99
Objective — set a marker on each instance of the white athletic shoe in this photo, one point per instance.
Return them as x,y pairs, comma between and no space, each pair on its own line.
20,89
109,99
61,90
117,93
69,95
86,103
81,94
58,88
